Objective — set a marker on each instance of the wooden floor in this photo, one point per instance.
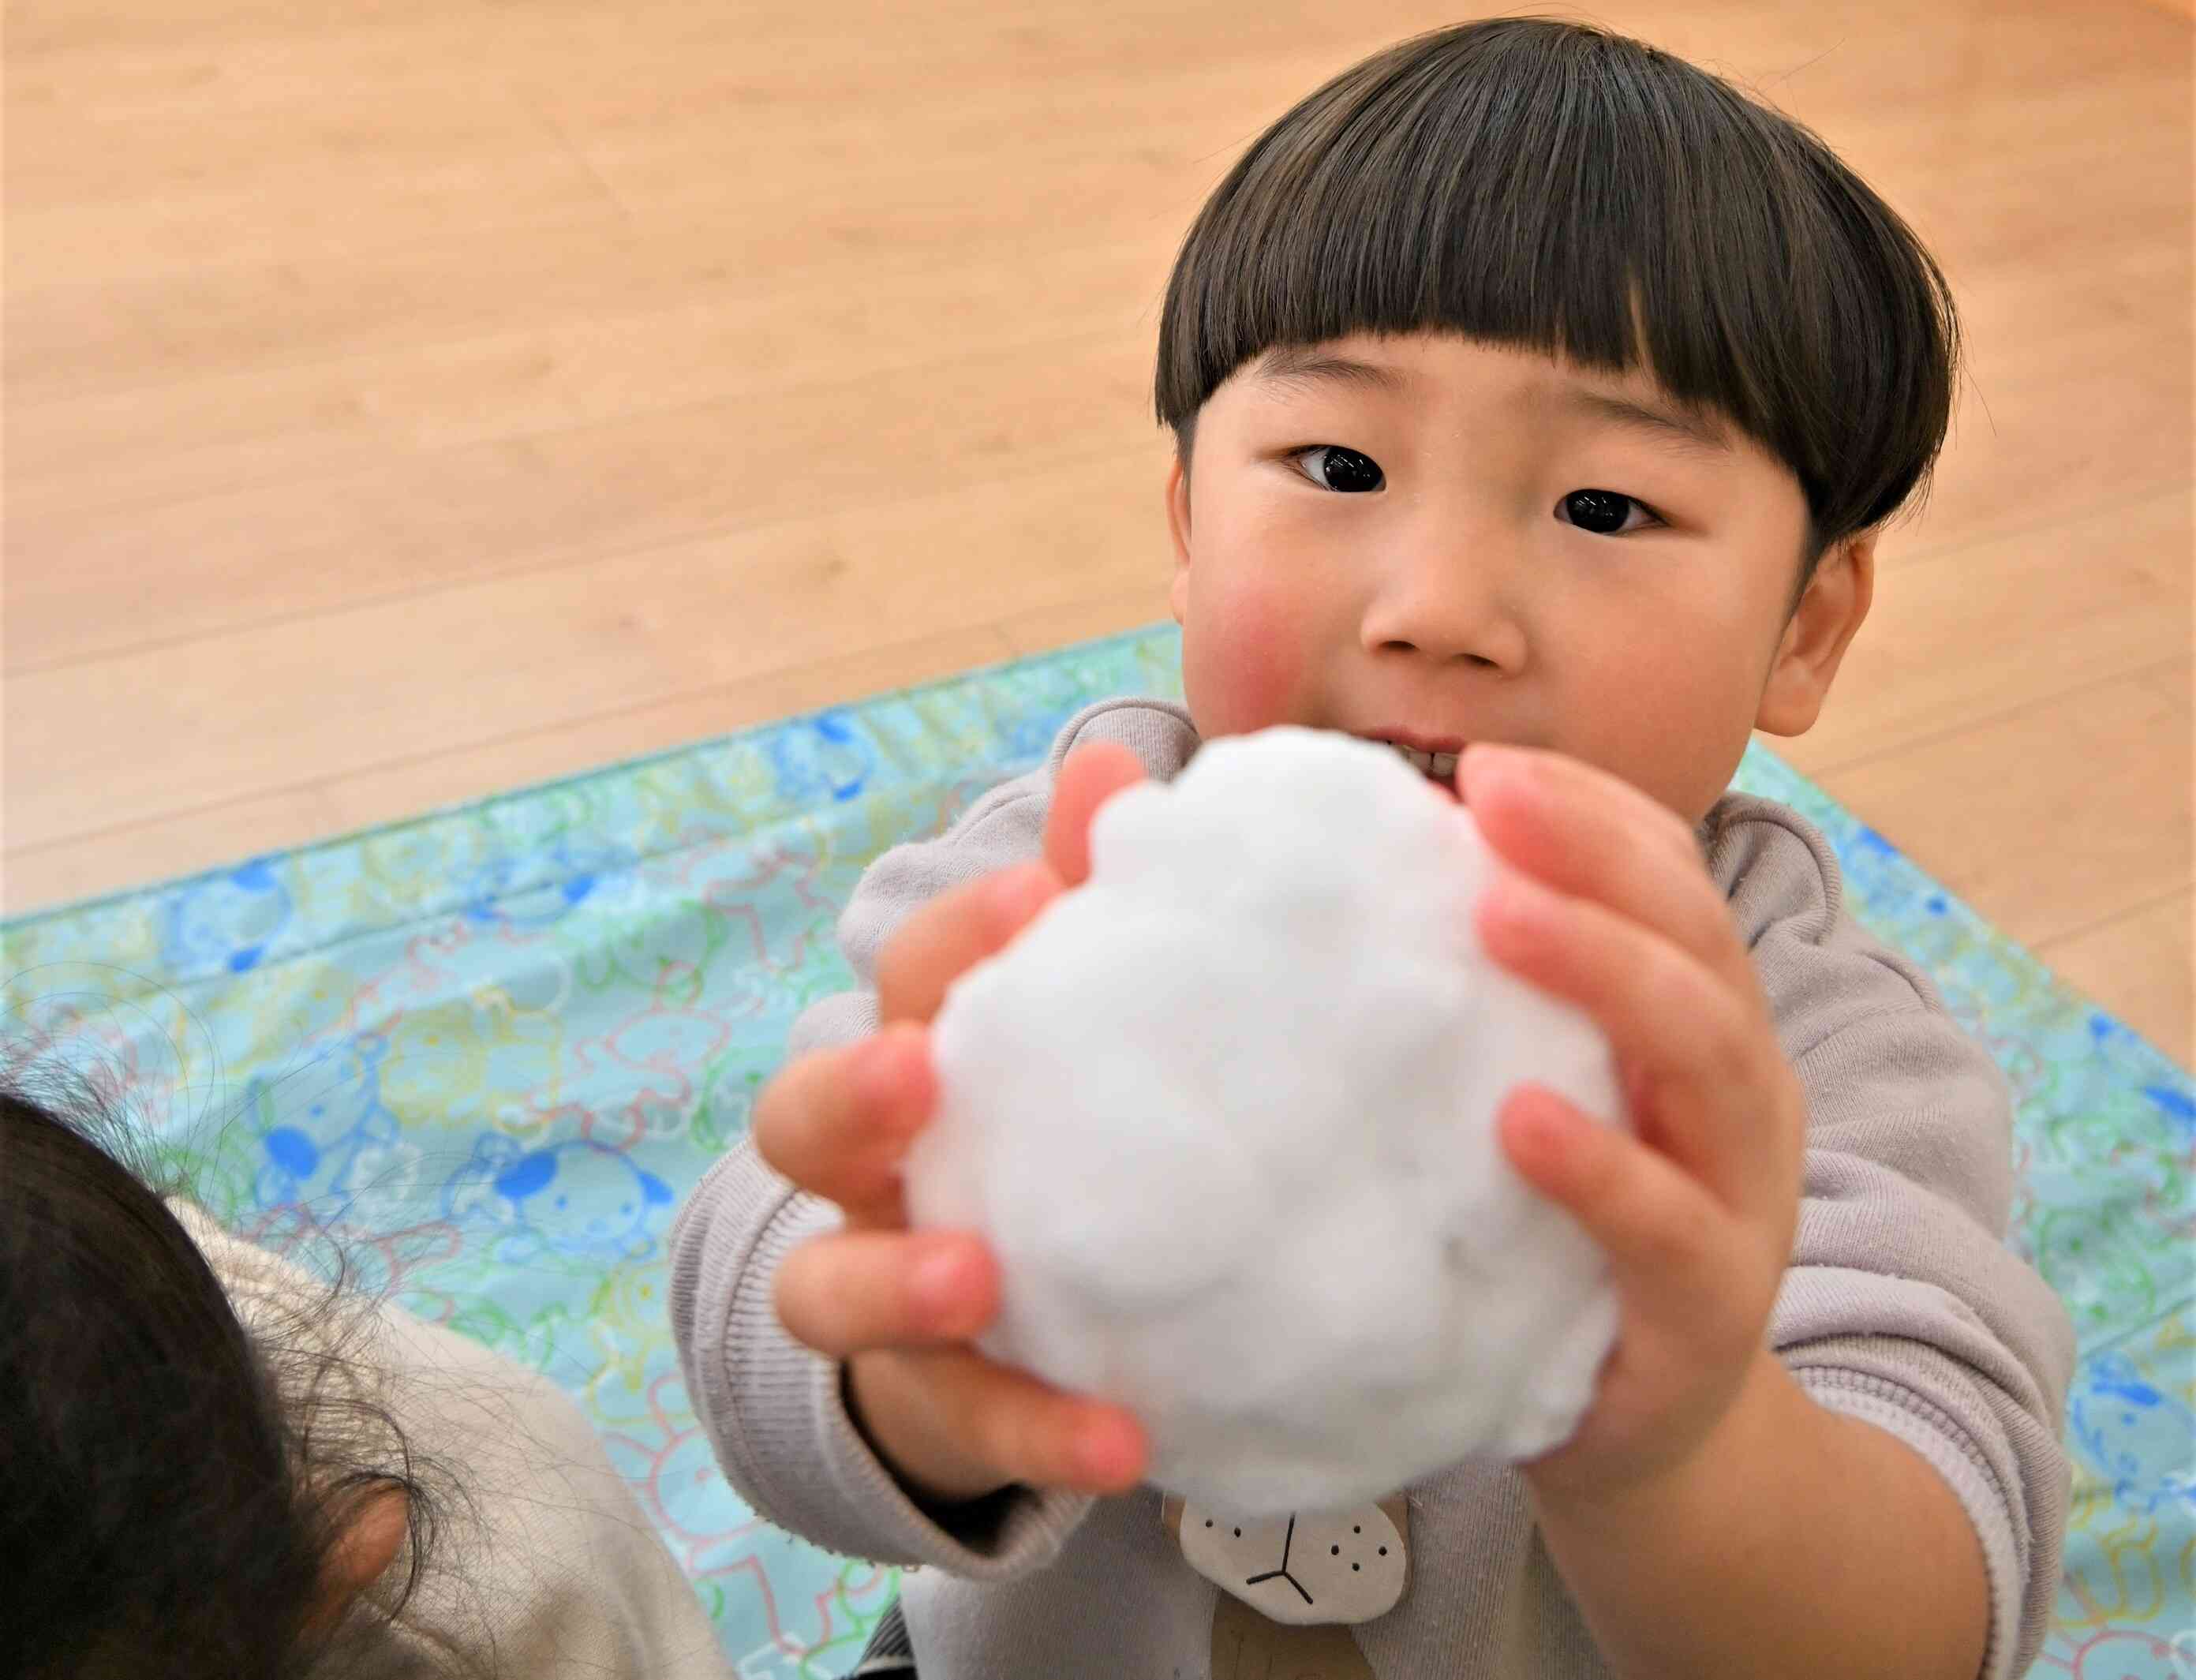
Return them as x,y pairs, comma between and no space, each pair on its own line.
411,398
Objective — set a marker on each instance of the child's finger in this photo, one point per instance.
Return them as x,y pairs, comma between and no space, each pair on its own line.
837,1121
1585,832
1669,1017
1008,1427
953,933
1664,1234
852,1291
1091,776
1039,1436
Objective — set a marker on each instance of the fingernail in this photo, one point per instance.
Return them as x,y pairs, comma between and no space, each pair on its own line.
1098,1454
1539,1131
941,1282
879,1073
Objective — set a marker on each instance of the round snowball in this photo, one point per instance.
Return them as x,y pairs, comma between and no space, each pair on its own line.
1225,1115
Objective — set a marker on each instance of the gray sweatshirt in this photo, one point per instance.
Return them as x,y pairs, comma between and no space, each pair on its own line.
1902,1305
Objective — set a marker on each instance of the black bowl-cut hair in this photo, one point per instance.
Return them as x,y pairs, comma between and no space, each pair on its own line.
1545,185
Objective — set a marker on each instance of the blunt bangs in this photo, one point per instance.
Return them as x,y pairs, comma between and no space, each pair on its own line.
1548,186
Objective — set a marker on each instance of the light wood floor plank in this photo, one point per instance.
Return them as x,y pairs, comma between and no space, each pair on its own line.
206,836
502,656
406,400
443,519
1085,617
2057,817
1970,634
758,347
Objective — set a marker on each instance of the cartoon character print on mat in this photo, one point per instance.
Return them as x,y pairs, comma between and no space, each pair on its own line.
656,1058
626,1331
820,759
2102,1194
663,949
2125,1654
224,922
325,1134
726,1098
2136,1434
2125,1591
666,1457
1291,1587
2178,1108
524,890
655,1051
581,1198
780,899
468,1059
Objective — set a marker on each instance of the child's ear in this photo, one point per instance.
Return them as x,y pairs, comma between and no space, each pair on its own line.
1821,628
1177,507
374,1531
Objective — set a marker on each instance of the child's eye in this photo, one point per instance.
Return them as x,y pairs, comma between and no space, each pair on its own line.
1605,512
1332,467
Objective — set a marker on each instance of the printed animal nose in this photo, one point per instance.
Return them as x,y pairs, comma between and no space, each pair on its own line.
1281,1570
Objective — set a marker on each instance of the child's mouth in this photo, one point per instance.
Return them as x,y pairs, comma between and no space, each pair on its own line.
1438,768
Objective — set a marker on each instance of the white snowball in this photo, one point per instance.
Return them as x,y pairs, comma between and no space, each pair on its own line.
1226,1115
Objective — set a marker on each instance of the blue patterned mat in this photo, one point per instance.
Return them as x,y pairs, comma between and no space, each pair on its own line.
495,1045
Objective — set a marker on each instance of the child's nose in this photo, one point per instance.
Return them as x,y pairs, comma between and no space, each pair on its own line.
1448,602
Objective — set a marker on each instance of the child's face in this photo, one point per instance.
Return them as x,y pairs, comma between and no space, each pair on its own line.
1386,536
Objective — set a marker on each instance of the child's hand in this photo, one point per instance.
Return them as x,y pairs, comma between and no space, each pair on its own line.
1605,902
901,1307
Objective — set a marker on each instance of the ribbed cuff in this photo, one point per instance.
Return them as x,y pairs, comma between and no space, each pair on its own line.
1017,1531
1933,1433
775,1407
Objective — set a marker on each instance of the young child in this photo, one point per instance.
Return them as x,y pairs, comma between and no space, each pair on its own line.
1539,400
218,1468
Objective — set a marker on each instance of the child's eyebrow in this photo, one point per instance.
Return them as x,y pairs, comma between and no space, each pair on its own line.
1302,365
1668,422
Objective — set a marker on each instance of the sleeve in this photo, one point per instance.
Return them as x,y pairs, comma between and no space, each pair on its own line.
776,1410
1903,1304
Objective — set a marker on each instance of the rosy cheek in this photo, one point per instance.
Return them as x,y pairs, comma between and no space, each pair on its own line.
1244,657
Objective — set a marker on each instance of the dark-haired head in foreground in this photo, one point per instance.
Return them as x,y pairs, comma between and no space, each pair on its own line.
181,1497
